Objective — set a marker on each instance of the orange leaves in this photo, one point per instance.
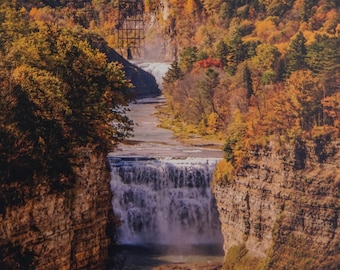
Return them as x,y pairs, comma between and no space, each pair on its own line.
42,15
264,29
331,106
190,6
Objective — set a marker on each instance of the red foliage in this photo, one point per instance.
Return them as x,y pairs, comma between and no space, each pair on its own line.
209,62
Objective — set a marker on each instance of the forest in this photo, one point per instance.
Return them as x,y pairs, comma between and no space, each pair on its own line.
254,74
249,73
58,94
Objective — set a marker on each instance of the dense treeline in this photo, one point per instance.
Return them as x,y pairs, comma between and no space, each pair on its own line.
248,72
58,93
255,72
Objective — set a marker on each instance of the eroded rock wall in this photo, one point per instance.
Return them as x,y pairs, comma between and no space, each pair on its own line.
285,206
61,230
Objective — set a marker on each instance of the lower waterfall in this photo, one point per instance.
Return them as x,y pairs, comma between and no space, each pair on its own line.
164,201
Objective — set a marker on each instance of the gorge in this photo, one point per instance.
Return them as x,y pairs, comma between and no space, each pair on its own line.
261,76
161,190
281,209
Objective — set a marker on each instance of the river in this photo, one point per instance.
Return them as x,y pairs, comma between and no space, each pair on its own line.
161,193
151,140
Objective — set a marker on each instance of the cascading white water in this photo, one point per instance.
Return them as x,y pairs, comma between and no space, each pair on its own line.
165,201
158,70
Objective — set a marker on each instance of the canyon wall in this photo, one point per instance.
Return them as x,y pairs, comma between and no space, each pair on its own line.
60,230
284,207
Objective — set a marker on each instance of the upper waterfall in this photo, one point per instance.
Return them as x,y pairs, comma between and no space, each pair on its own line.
158,70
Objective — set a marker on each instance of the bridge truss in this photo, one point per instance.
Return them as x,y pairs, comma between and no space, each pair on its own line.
130,27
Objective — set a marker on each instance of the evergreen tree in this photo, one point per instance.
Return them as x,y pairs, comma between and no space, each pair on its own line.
173,74
296,55
306,11
323,58
222,52
248,81
236,51
187,58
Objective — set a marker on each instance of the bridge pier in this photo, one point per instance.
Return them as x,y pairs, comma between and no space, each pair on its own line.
130,27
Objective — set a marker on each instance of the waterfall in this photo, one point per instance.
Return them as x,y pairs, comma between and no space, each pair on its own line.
164,201
158,70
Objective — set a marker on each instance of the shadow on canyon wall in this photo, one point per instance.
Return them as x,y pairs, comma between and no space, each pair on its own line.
145,83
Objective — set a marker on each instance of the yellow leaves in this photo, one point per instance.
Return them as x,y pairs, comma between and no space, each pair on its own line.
43,89
282,47
212,125
223,172
337,30
88,62
305,86
309,36
211,6
264,29
33,12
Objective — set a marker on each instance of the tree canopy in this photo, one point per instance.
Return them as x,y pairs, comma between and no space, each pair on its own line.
58,94
273,64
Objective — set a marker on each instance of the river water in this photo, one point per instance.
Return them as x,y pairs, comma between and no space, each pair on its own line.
151,140
162,195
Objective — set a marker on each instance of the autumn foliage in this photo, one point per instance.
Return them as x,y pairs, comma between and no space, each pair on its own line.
277,73
58,93
209,62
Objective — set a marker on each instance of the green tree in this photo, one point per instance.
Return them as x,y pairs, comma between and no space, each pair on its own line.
173,74
187,58
236,51
222,52
323,58
296,55
266,57
14,24
267,62
248,81
277,7
208,86
306,11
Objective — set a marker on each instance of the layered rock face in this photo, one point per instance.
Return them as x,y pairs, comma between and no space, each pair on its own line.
60,230
285,207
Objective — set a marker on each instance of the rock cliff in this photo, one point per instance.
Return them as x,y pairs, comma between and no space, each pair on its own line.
284,207
60,230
